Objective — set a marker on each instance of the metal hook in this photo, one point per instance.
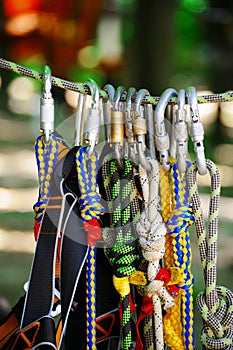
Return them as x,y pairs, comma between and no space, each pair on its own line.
47,106
161,136
130,140
140,128
181,132
117,126
93,117
106,110
197,131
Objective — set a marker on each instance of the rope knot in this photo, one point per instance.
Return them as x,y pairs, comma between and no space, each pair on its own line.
217,332
90,206
94,231
122,284
181,219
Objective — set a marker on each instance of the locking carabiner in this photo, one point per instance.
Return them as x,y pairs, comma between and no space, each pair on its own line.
92,123
79,120
117,126
140,128
129,116
161,135
181,132
47,106
197,131
107,107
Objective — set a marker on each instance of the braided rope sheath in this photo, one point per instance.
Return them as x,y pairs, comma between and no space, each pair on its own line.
151,231
216,302
91,209
64,84
46,157
171,321
121,245
177,226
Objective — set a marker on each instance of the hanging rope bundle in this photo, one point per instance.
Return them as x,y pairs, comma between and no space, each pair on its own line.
151,231
121,246
46,157
91,209
177,226
216,302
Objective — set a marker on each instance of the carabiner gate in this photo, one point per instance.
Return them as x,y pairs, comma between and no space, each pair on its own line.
47,106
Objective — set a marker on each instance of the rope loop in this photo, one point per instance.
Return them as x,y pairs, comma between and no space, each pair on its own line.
217,332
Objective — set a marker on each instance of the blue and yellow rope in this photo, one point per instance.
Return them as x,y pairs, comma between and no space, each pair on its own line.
90,209
181,219
46,157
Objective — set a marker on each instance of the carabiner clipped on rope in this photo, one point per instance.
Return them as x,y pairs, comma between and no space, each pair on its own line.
197,131
140,129
107,107
161,135
47,106
117,126
130,139
92,123
181,132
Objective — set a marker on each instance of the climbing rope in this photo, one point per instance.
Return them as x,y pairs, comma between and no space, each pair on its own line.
64,84
216,302
151,231
121,246
177,226
46,157
90,209
171,321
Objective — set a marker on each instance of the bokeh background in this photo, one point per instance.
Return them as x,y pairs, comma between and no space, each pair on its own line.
146,44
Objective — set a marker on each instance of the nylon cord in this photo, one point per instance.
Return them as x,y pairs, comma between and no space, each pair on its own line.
68,85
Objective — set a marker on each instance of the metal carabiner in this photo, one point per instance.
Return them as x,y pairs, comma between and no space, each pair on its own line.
47,106
79,120
140,129
129,112
181,132
197,131
92,124
107,107
161,135
117,126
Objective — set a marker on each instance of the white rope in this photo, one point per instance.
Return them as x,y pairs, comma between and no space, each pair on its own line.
151,231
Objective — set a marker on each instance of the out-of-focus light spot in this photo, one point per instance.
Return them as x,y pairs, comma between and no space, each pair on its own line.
18,199
226,173
196,6
21,89
22,24
208,111
89,56
71,98
224,154
109,40
226,114
0,81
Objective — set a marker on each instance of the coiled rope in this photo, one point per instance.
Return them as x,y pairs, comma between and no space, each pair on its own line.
151,231
91,209
177,226
64,84
121,245
46,157
216,302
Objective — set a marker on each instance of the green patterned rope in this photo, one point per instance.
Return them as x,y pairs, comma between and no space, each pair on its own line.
78,87
216,302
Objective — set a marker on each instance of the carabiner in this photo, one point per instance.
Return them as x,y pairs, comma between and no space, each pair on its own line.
129,112
161,135
107,107
140,129
181,132
117,126
79,120
197,131
47,106
92,124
